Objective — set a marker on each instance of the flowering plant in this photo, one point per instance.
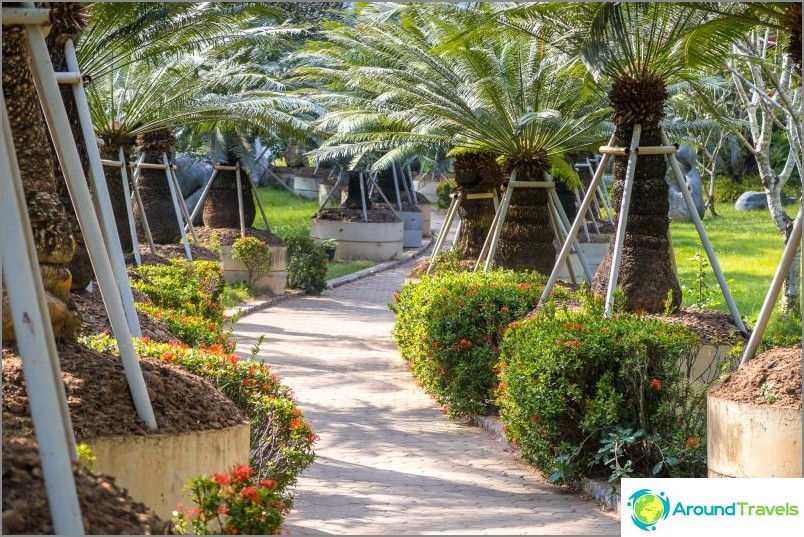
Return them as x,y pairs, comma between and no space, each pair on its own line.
235,503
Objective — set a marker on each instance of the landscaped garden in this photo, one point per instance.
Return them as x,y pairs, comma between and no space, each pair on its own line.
620,285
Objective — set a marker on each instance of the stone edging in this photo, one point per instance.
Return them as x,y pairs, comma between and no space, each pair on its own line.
261,304
600,491
376,269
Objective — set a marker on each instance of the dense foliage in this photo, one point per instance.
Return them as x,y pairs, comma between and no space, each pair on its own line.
307,265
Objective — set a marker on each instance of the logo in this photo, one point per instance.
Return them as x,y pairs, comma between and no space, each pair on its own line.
648,508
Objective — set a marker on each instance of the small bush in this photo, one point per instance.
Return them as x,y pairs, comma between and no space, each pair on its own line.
584,394
255,255
448,328
307,265
189,287
443,190
194,330
281,439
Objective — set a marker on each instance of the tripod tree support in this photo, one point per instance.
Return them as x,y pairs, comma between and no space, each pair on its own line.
174,197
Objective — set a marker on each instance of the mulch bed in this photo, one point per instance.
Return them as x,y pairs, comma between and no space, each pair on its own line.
714,327
407,206
94,319
375,216
777,370
420,269
100,401
172,251
227,236
106,509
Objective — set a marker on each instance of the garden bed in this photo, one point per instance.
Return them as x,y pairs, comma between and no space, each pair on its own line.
106,509
779,368
95,320
382,216
165,252
227,236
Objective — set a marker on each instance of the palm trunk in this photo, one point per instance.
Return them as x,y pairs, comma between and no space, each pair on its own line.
646,274
221,208
155,191
476,174
53,239
354,193
114,183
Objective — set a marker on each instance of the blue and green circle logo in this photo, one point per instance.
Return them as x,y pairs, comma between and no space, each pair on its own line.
648,508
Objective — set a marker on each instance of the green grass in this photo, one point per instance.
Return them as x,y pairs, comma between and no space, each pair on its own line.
336,269
287,214
748,248
235,294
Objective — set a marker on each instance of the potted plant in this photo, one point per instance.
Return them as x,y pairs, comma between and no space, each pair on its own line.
329,246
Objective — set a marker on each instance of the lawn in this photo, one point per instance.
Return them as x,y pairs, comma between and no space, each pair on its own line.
336,269
748,248
287,214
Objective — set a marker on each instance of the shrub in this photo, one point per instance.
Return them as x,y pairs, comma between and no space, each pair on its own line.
307,265
193,330
443,190
234,503
584,394
448,326
255,255
281,439
189,287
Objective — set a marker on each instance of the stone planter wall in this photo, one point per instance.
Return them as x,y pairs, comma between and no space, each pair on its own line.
411,229
276,281
155,468
306,187
360,240
427,212
749,440
335,201
427,189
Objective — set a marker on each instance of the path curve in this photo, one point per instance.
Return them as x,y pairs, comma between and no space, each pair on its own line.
389,462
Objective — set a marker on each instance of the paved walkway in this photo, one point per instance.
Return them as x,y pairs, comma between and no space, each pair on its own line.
389,461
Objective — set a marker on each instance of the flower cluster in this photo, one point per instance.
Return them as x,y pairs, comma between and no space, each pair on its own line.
235,503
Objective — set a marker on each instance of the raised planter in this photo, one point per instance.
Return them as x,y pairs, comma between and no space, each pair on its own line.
594,252
306,187
426,189
411,229
335,201
707,365
427,213
750,440
155,468
275,281
361,240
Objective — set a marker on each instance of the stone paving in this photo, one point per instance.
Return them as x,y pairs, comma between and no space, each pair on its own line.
389,462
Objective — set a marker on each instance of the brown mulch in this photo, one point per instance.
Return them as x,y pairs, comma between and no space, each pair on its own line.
772,378
94,319
172,251
100,401
420,269
375,216
105,508
407,206
712,326
227,236
594,237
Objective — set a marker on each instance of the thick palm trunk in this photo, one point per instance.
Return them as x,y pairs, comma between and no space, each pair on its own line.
53,239
646,271
476,174
526,241
354,193
68,20
221,208
114,183
155,191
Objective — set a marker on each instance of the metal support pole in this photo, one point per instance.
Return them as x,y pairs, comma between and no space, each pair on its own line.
445,227
396,189
622,219
183,206
59,125
200,205
585,227
710,252
576,225
563,225
373,179
102,200
335,189
496,231
561,238
788,257
132,227
413,189
37,346
240,202
363,197
176,209
405,184
145,226
259,203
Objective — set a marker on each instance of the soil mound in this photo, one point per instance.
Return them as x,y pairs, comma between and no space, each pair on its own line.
772,378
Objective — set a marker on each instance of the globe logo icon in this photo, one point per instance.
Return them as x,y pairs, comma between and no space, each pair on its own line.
648,508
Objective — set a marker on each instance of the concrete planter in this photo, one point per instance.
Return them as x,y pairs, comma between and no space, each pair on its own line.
412,229
155,468
276,281
334,202
706,368
307,187
595,252
427,213
749,440
361,240
427,189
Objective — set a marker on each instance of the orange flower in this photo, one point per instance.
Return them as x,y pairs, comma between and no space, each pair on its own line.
231,530
524,286
514,324
270,484
221,479
504,309
692,442
146,339
250,493
295,423
252,370
169,356
312,438
241,473
656,384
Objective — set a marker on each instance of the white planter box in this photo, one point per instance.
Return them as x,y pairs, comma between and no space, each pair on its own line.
427,189
361,240
307,187
275,281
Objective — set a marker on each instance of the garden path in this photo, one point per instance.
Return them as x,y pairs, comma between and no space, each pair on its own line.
389,462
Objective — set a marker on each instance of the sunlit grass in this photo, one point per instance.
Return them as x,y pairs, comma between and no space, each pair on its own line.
235,294
336,269
287,214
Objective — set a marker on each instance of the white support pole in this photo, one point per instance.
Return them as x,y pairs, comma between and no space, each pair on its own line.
37,346
445,227
59,126
174,196
710,252
576,225
253,189
182,206
332,192
373,179
561,237
132,227
200,205
585,226
363,197
102,200
405,184
622,219
788,257
396,189
410,175
145,226
240,210
496,231
564,225
25,15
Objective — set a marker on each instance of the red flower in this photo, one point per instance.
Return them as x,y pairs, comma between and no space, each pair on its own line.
514,324
295,423
223,511
270,484
250,493
656,384
146,339
232,530
504,309
215,348
534,419
524,286
232,358
312,438
169,356
692,442
221,479
241,473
